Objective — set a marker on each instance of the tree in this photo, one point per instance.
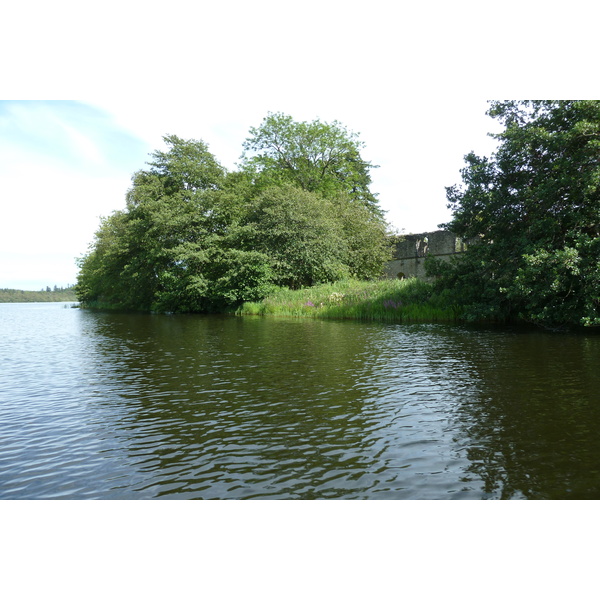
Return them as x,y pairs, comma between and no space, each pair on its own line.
318,157
535,208
151,254
194,238
300,232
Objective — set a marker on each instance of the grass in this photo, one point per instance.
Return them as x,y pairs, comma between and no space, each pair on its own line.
389,300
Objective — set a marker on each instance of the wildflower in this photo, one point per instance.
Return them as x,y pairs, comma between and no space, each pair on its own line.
392,304
309,303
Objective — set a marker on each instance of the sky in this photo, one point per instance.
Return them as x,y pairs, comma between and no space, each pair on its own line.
88,89
89,94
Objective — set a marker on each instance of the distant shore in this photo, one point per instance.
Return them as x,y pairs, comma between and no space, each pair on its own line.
57,295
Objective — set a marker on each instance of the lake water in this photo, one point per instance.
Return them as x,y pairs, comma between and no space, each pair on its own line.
125,406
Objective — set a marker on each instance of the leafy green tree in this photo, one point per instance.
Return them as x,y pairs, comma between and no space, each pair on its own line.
318,157
194,238
99,279
300,231
534,206
367,243
238,275
187,166
151,254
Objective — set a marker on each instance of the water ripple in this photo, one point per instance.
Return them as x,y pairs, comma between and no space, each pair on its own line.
97,405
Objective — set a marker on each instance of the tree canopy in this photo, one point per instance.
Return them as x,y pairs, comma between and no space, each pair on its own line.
534,209
193,237
318,157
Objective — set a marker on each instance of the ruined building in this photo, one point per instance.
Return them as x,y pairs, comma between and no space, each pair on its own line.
411,250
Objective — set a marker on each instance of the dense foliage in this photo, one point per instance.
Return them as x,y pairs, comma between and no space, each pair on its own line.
318,157
533,210
194,237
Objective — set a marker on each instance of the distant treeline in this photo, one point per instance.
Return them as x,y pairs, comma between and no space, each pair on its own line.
56,294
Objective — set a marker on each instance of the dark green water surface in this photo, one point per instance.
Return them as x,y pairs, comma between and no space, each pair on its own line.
121,406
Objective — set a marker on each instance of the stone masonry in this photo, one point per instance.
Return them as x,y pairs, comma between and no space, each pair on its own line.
412,249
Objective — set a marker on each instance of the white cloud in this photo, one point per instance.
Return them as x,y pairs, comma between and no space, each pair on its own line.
48,219
84,145
52,208
411,78
62,166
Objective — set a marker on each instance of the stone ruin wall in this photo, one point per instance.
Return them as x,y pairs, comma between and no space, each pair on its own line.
411,250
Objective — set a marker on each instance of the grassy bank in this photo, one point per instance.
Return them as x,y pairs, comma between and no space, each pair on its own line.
394,301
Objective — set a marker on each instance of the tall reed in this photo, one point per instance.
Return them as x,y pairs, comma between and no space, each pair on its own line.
409,300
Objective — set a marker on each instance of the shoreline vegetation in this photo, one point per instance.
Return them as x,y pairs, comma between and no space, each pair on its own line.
385,300
389,300
56,295
298,214
196,238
